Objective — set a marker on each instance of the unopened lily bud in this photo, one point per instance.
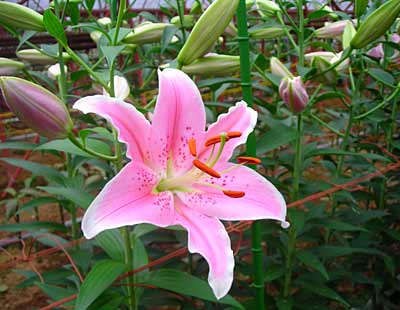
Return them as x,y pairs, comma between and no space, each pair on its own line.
104,21
36,107
249,4
206,31
121,88
9,66
20,17
342,66
376,52
348,34
294,94
267,33
214,64
321,64
146,33
376,24
36,57
196,8
331,30
188,21
327,55
267,8
279,69
54,71
95,36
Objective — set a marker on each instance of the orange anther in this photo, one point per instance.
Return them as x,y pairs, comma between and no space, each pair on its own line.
192,147
212,140
234,194
248,160
203,167
234,134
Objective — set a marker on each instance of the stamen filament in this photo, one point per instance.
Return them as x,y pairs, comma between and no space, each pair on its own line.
206,169
192,147
223,138
248,160
234,194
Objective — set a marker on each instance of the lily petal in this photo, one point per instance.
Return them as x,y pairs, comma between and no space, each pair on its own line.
239,118
261,200
208,237
127,200
179,115
133,128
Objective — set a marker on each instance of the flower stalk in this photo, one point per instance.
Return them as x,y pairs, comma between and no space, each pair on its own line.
245,74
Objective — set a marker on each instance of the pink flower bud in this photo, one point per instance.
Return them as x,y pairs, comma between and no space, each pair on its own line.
279,69
294,94
332,30
36,107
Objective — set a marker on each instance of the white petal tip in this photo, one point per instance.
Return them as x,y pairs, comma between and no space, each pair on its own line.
285,224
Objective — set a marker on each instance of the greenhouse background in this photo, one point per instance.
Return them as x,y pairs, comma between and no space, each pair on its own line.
200,154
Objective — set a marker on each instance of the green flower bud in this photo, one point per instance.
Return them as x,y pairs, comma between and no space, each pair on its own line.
105,21
279,69
376,24
188,21
267,8
249,4
197,8
267,33
206,31
348,34
9,66
36,107
360,6
146,33
214,64
20,17
322,64
35,57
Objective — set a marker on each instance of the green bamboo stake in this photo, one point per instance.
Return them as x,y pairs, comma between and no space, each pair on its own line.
245,74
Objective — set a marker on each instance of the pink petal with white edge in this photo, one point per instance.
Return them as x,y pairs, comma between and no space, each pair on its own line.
261,201
238,118
133,128
208,237
127,200
179,115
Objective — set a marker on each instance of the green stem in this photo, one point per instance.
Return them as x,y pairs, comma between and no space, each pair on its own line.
245,74
181,14
129,263
326,125
290,37
77,143
297,167
121,12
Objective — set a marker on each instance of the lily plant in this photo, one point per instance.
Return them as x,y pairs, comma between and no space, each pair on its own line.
179,173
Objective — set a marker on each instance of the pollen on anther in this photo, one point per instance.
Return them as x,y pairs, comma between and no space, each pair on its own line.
203,167
234,194
234,134
212,140
192,147
248,160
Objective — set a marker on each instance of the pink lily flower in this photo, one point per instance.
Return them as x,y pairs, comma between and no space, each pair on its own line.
179,173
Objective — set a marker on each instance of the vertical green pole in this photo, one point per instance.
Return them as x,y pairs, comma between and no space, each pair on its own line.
243,38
